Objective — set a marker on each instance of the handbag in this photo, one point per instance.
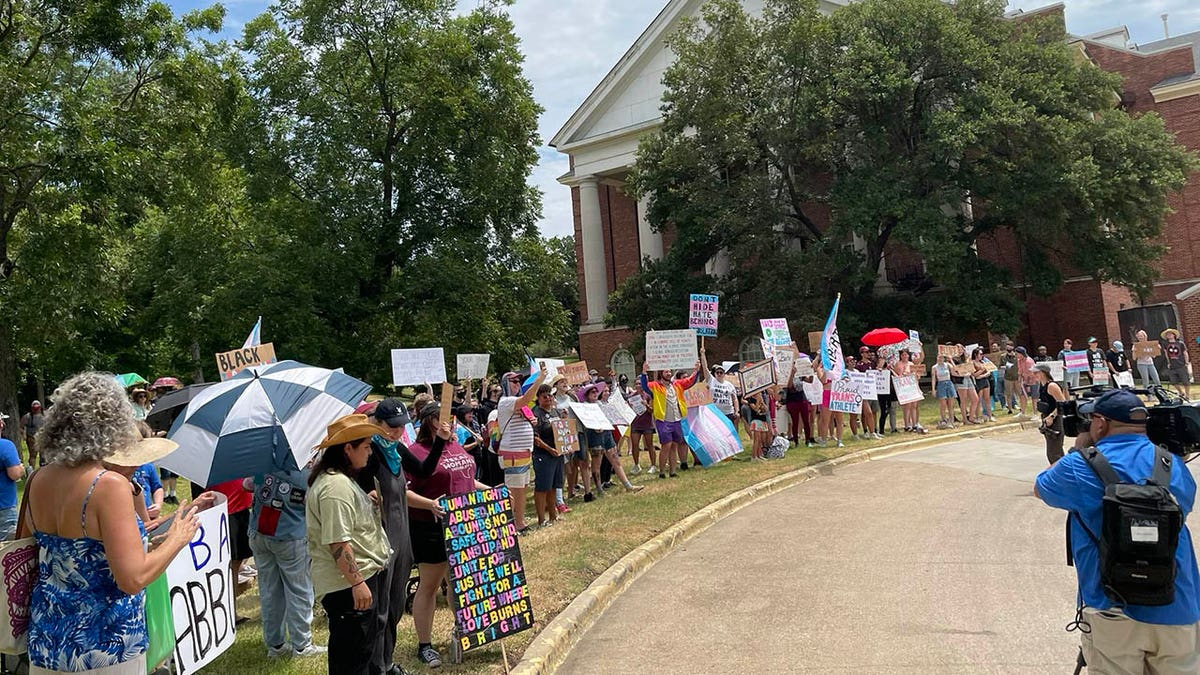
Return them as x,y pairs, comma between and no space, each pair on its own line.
19,571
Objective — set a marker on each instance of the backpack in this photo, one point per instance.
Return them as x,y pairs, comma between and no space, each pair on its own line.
1139,533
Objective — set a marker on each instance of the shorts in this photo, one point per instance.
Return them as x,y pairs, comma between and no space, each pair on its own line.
517,477
239,535
643,424
580,455
825,398
1177,375
759,425
983,383
945,389
964,383
669,432
732,419
547,472
166,474
428,546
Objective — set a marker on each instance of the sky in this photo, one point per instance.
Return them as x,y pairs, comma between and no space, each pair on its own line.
570,45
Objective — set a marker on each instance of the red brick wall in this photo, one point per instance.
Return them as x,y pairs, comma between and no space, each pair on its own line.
583,308
1189,322
622,249
1141,71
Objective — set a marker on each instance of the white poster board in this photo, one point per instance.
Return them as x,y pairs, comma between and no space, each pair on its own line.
591,416
472,366
865,383
907,389
883,381
418,366
844,397
784,358
804,367
551,366
635,403
1124,379
1058,372
617,410
672,349
814,392
202,592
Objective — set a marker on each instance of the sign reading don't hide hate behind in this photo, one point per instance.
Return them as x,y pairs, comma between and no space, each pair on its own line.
702,315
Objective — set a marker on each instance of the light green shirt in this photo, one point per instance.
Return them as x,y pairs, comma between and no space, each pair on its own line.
338,510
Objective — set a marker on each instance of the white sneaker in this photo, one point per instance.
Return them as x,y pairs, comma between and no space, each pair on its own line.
636,470
878,437
841,444
282,651
312,650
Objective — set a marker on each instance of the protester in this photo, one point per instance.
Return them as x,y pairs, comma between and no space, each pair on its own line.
723,392
942,385
348,547
1125,637
866,362
1177,361
1145,365
798,407
14,471
600,445
515,423
1071,378
829,423
983,385
758,423
1029,380
912,411
964,385
1042,355
547,458
1050,396
996,386
28,426
87,610
140,402
1096,360
238,505
641,431
887,400
1010,366
1116,359
488,403
669,409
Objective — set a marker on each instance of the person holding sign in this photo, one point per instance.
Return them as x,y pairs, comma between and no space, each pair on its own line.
547,460
1072,378
1145,364
87,609
912,411
796,401
669,407
943,388
982,411
515,421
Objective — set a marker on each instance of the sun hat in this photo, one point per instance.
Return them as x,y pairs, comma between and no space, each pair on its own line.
346,429
143,451
1163,334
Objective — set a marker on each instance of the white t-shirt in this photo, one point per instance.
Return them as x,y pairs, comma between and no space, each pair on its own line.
517,434
672,412
724,394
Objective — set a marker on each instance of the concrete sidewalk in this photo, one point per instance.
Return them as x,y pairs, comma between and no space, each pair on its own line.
936,561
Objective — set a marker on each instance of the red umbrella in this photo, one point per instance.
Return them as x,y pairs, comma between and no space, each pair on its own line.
881,337
166,382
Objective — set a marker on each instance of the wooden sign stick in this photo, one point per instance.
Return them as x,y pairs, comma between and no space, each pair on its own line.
447,400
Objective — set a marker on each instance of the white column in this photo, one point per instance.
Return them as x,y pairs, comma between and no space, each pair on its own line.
648,240
595,282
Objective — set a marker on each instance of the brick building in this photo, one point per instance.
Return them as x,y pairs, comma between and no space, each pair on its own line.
612,236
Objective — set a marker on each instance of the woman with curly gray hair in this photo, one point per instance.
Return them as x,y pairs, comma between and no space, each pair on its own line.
87,610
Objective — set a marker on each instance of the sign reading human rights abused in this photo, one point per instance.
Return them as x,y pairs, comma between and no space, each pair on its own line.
486,576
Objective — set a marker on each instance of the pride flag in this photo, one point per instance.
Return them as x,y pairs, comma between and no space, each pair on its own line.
831,346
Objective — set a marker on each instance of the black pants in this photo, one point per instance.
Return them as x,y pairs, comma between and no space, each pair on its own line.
354,635
389,608
885,407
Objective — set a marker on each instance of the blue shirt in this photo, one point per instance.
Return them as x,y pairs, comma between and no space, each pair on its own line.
278,510
8,486
1072,485
147,476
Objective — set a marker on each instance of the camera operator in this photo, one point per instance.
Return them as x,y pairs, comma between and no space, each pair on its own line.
1119,640
1050,393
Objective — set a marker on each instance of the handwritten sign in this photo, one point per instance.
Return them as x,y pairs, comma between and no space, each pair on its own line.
551,366
671,349
698,395
844,397
636,403
1101,376
963,370
233,362
702,315
804,367
907,389
864,383
566,438
784,358
1146,350
988,366
576,373
472,366
776,332
1076,362
883,381
591,416
1123,379
202,592
950,351
814,392
1057,371
418,366
617,410
486,575
756,377
920,369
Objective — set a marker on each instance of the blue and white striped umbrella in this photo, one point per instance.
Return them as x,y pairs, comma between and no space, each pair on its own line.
265,417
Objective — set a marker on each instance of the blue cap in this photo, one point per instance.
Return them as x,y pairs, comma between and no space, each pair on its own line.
1118,405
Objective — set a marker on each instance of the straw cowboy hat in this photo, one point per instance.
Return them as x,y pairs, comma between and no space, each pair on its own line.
348,429
1178,335
142,452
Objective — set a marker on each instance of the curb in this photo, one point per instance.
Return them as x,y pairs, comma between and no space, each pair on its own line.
552,645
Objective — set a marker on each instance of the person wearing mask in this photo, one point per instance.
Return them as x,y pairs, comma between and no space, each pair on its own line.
489,400
1071,378
87,610
942,385
669,409
30,423
1117,361
347,545
547,459
1050,395
14,471
1177,361
515,423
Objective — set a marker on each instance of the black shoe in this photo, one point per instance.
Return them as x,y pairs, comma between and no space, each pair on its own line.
607,485
430,657
662,475
674,475
683,466
171,499
397,670
589,497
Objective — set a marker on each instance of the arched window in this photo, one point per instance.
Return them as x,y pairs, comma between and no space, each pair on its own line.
623,363
750,350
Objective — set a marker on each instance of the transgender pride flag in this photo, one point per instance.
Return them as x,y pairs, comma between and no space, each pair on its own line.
831,346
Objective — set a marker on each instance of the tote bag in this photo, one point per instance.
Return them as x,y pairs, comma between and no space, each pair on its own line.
18,573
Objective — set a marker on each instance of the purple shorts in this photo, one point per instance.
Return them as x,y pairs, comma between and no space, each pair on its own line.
669,432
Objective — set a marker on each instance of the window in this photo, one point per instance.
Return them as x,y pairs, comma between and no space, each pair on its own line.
623,363
750,350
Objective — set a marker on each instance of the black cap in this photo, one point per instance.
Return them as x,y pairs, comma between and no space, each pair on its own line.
391,411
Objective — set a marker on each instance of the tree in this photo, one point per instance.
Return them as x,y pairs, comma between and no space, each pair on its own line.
806,147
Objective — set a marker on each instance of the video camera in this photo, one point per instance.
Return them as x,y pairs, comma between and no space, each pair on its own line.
1174,423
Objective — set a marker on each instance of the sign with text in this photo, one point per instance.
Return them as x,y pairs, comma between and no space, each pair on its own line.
486,576
784,358
963,370
1076,362
617,410
636,403
551,366
804,367
1124,379
814,392
989,366
883,381
844,397
671,349
202,592
233,362
698,395
472,366
756,377
1101,376
1146,350
418,366
864,383
814,341
576,373
566,439
591,416
950,351
907,389
776,332
702,315
1058,372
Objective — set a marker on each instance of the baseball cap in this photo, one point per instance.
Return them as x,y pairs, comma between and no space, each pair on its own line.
1091,340
391,412
863,350
1119,405
1022,352
1118,346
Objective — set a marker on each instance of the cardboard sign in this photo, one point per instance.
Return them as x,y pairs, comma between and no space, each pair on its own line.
486,576
1146,350
591,416
920,369
418,366
756,377
671,349
576,373
814,341
963,369
233,362
907,389
844,397
1058,372
702,315
989,367
864,383
698,395
566,438
804,368
1076,362
617,410
444,414
472,366
776,332
883,381
202,592
950,351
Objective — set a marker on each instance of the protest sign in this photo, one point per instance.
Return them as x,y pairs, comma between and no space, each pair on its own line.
914,336
756,377
1076,362
1057,371
551,366
950,351
617,410
920,369
1146,350
969,350
576,373
472,366
233,362
710,435
907,389
883,381
768,349
776,332
989,366
636,404
486,576
1123,379
591,416
566,438
698,395
202,592
418,366
702,315
671,349
844,397
814,341
804,367
784,358
1100,376
814,392
963,369
864,383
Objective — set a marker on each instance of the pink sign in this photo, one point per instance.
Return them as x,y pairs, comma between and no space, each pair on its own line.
702,316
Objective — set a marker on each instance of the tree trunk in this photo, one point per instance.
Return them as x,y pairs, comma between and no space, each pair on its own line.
198,376
8,381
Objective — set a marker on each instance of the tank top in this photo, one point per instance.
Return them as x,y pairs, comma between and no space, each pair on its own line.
943,372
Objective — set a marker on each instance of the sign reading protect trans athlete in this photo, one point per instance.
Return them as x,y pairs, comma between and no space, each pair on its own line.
487,578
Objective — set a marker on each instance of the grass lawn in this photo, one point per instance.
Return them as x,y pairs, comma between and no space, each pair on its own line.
561,561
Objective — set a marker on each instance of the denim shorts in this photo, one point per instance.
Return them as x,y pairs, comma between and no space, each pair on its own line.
945,389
